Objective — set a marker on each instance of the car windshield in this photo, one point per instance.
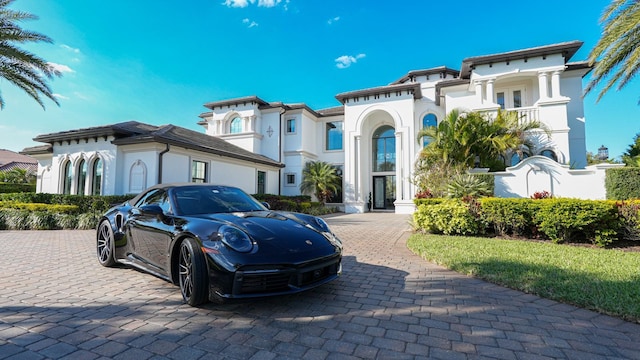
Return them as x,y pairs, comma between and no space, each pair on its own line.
196,200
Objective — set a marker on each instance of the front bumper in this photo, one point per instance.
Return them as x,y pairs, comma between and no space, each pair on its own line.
269,280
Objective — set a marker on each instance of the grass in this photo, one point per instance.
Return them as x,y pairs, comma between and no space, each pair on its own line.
606,281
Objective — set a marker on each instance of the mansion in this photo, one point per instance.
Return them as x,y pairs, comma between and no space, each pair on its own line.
262,146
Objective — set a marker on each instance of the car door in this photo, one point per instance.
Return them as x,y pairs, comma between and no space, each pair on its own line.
151,232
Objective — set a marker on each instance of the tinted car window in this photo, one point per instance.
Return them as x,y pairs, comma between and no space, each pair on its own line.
213,199
156,197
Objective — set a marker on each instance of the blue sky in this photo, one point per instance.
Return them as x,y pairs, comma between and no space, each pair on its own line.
158,62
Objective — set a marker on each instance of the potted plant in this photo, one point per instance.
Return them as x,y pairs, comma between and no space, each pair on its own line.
369,203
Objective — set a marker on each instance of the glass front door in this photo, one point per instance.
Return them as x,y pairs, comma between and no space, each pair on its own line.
384,192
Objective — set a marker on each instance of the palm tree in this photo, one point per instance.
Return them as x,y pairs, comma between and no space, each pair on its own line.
617,54
18,176
22,68
321,179
464,138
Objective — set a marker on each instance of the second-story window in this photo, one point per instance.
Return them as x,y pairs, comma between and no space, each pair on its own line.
291,126
236,125
510,98
334,135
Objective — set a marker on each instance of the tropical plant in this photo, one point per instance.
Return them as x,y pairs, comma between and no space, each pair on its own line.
616,56
468,186
432,175
475,138
20,67
631,157
321,179
17,176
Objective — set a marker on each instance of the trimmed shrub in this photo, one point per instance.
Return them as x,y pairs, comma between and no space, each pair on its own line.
622,183
87,203
65,209
17,188
629,217
509,216
428,201
563,220
450,217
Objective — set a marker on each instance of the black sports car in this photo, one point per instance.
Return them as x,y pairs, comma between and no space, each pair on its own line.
217,242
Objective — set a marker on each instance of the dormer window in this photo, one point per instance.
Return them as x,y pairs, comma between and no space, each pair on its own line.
236,125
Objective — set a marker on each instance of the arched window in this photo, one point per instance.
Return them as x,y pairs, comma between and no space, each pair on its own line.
384,149
96,177
67,177
427,121
550,154
137,177
236,125
515,158
82,177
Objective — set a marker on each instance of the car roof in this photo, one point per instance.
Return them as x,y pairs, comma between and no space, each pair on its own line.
177,185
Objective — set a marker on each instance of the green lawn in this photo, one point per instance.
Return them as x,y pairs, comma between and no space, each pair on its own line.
607,281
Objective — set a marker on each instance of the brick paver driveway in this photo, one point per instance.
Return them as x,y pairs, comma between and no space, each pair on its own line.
56,301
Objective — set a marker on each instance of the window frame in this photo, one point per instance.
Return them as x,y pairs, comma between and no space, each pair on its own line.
204,179
327,132
81,178
286,179
235,127
290,130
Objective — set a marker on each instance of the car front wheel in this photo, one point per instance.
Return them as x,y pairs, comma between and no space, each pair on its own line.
193,273
105,244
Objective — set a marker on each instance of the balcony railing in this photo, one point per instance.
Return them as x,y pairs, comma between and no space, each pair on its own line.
527,114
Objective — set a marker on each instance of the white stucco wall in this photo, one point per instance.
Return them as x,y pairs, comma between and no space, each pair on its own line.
538,173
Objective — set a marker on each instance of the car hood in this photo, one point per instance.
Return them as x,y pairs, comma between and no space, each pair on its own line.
280,233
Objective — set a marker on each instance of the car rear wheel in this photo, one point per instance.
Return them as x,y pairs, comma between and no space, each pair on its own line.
193,273
105,244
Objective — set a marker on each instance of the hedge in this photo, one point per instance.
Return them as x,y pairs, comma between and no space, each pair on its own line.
599,222
622,183
17,188
85,203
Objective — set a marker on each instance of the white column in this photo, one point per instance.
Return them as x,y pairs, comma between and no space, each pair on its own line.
489,94
356,169
555,84
399,167
543,85
478,85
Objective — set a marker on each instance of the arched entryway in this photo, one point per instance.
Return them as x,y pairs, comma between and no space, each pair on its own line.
383,168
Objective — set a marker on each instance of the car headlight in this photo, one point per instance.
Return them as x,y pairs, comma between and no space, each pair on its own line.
323,224
235,238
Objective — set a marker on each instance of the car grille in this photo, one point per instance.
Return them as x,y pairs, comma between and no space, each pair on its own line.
283,279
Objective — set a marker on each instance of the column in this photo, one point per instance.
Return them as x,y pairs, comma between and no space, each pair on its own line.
399,167
356,169
478,85
555,84
543,85
490,98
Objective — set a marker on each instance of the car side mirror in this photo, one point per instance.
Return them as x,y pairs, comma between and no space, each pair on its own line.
152,210
266,204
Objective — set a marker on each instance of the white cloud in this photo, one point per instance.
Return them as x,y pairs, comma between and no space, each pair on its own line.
345,61
69,48
335,19
249,23
268,3
61,97
261,3
60,68
237,3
